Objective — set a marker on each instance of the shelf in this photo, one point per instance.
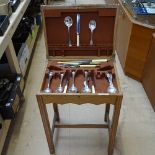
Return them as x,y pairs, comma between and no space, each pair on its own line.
3,133
6,46
15,18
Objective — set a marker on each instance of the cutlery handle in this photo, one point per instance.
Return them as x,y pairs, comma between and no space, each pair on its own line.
78,39
91,38
73,76
99,60
78,28
49,81
69,38
65,89
93,89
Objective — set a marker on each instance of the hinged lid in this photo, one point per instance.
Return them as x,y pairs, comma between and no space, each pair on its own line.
56,32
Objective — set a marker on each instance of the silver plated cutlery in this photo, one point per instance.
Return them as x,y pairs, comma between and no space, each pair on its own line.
68,22
92,27
111,88
73,88
86,88
78,28
48,89
60,88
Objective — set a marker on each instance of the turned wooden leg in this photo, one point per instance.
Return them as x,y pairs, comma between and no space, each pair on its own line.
46,124
56,111
112,133
107,109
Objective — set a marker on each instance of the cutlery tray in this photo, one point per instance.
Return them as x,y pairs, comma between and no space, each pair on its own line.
97,61
98,74
56,39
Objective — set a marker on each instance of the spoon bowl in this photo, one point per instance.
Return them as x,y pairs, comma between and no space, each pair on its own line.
59,89
47,90
92,27
111,89
73,89
68,21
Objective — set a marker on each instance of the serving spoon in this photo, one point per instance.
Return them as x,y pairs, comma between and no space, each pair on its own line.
68,22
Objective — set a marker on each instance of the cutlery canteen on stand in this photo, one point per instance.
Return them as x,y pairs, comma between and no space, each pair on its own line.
79,47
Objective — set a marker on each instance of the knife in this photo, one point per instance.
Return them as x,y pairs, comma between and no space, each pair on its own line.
93,84
78,28
81,62
85,62
77,66
66,85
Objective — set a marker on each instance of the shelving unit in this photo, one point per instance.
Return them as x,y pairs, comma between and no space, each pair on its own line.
6,46
6,40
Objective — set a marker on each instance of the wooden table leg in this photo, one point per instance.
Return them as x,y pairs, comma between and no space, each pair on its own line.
46,124
112,133
56,111
107,109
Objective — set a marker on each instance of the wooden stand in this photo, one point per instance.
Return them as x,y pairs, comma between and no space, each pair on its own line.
58,50
96,99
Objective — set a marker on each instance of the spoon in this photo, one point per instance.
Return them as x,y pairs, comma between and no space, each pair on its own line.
92,27
48,89
73,88
86,88
111,88
93,84
60,88
68,22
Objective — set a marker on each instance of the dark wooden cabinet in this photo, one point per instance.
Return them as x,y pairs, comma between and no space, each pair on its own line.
135,47
138,49
132,43
149,74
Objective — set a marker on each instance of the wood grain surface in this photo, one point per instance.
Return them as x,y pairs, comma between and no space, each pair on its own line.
148,80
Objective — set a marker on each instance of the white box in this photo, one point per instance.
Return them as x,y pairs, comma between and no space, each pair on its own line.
23,57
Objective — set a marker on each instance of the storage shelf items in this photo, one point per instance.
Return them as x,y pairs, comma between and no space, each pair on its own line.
26,49
6,44
7,47
14,21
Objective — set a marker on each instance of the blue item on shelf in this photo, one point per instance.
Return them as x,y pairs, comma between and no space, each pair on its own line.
140,10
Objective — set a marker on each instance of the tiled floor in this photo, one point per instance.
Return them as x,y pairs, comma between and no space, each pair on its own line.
136,131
